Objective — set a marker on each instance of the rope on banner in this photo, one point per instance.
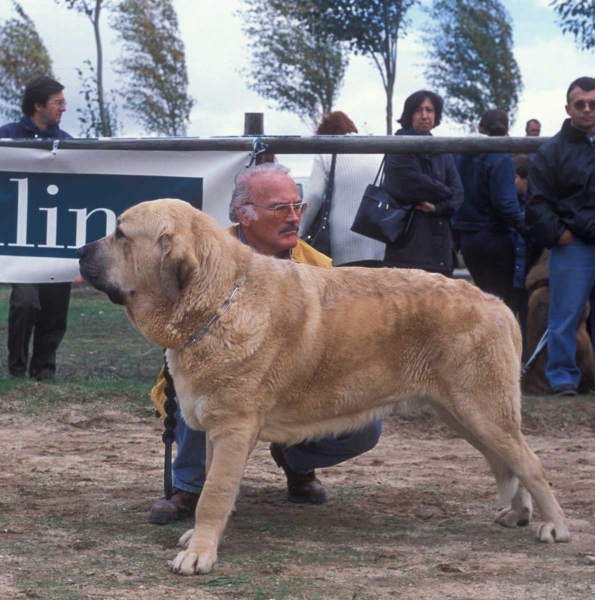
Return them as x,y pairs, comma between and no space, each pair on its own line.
258,147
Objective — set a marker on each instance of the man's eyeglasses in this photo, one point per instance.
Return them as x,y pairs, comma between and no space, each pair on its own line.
281,211
57,102
582,104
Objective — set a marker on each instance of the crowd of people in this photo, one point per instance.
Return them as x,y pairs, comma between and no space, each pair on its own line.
496,210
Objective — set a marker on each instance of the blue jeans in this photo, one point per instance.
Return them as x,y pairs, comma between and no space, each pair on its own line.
189,464
572,284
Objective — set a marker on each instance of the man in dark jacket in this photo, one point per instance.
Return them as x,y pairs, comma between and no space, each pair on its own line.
43,306
560,215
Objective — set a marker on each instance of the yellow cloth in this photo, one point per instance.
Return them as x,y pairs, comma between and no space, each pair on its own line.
302,253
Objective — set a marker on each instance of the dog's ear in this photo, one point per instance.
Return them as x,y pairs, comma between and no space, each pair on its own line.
178,263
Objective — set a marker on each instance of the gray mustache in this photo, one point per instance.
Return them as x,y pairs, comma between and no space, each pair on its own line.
290,227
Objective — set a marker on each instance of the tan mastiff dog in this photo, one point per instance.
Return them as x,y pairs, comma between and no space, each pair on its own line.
268,349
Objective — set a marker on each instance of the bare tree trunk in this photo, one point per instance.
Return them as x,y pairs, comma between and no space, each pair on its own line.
105,125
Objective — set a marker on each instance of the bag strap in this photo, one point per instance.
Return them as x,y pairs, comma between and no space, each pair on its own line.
328,193
380,169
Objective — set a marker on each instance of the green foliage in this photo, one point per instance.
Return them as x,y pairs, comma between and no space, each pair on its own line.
471,59
299,70
153,66
370,27
90,115
577,17
22,55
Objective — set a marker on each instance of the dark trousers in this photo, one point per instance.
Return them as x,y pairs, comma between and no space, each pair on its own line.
489,256
42,307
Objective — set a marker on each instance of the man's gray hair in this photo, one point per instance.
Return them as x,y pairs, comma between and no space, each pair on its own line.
242,195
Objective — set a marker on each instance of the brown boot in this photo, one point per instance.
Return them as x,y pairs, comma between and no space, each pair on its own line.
301,489
180,506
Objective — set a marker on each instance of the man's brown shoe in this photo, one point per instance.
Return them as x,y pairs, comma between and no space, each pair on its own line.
180,506
301,489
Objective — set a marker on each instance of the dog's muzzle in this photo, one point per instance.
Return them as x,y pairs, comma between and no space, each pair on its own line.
92,270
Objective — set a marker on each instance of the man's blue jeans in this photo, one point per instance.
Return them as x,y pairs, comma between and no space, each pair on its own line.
189,464
572,284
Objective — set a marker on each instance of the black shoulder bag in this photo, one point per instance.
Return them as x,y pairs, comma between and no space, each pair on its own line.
319,235
380,216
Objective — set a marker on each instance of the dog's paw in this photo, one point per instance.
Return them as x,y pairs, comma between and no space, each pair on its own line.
189,562
185,539
550,532
511,517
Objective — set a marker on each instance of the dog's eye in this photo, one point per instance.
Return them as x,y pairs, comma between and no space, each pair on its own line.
119,234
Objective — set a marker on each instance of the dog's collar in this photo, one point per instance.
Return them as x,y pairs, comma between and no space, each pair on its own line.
200,334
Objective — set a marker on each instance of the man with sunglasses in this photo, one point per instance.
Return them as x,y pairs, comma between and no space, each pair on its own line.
560,214
266,206
40,309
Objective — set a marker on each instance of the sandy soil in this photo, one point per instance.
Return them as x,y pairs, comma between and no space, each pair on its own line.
413,519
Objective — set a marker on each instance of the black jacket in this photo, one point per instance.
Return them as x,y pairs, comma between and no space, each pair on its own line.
562,188
26,128
416,178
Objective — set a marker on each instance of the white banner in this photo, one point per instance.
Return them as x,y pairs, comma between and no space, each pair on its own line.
51,203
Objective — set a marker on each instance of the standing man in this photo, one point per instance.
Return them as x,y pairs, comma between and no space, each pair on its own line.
38,308
560,215
266,205
533,128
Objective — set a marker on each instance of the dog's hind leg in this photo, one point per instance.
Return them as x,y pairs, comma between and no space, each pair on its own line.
500,432
521,507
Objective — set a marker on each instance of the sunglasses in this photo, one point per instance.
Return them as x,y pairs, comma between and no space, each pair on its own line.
57,102
281,211
582,104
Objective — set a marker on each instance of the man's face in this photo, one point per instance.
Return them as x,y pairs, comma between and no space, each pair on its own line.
581,109
533,129
424,117
269,234
50,115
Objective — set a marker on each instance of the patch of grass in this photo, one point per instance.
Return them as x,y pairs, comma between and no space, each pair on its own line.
100,343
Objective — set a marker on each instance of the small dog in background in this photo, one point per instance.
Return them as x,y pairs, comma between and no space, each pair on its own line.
535,381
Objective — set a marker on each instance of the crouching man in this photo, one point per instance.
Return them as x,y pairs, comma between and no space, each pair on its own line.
266,205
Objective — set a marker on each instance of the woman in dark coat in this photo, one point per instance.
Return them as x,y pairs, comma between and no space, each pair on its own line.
490,214
432,184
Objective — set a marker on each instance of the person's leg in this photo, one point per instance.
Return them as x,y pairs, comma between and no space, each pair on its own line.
24,306
572,276
189,464
489,256
301,461
188,475
50,327
331,451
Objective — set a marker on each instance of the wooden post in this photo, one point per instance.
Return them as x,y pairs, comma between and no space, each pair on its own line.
253,123
254,126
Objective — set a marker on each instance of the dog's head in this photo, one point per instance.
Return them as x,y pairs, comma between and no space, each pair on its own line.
158,250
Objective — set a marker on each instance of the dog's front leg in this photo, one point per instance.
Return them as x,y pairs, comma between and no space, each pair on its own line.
231,448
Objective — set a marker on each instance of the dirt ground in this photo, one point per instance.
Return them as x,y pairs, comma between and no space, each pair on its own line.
412,519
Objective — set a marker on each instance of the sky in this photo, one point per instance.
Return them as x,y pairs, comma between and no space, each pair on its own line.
217,51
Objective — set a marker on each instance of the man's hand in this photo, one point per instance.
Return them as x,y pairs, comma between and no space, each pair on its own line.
566,238
426,207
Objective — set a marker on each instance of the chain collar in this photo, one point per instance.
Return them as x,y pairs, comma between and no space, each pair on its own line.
202,332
